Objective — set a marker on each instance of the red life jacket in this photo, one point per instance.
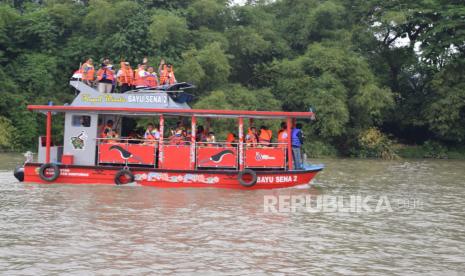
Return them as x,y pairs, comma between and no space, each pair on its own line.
282,138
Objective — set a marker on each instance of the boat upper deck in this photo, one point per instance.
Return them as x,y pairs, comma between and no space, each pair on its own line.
153,103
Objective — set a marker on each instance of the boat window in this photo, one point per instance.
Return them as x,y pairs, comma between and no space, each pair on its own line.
81,121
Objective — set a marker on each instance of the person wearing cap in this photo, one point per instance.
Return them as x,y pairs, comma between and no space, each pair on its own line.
105,77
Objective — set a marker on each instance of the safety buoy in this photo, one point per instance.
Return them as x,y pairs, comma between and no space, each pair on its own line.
19,173
247,178
125,174
54,176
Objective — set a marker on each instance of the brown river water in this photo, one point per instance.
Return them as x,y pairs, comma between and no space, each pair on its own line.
134,230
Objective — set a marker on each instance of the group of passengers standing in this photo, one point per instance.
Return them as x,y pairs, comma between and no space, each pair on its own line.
180,135
127,78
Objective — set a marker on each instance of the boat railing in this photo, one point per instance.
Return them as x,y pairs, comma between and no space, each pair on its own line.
183,155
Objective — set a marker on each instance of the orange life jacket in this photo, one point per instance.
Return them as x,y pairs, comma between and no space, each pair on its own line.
167,77
282,138
265,136
138,80
151,80
127,75
105,71
87,71
230,139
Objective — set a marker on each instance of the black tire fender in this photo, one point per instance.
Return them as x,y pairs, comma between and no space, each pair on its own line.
245,183
124,172
44,167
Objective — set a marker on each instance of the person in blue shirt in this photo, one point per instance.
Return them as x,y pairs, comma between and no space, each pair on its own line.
297,141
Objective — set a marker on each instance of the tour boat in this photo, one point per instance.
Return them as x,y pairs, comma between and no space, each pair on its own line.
86,158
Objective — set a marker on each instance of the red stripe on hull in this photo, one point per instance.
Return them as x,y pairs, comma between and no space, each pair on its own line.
171,179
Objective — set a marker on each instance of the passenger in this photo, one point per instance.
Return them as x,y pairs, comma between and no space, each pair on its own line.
230,139
112,137
211,140
106,129
201,135
282,136
105,77
88,71
167,75
177,138
152,135
297,142
125,77
140,77
152,78
265,136
251,138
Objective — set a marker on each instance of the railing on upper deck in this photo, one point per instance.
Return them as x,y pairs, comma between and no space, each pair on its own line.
183,155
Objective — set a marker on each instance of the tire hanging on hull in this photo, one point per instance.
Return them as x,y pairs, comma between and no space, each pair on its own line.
124,173
244,182
44,167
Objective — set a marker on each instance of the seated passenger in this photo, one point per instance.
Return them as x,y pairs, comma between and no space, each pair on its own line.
152,78
265,136
201,135
177,138
152,135
112,137
211,140
251,138
106,129
230,139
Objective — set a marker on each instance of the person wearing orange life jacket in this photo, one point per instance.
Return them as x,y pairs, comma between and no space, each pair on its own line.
167,75
265,136
152,78
87,70
152,135
125,77
251,138
106,129
105,77
230,139
140,76
282,136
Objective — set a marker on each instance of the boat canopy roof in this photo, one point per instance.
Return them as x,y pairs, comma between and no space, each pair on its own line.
131,111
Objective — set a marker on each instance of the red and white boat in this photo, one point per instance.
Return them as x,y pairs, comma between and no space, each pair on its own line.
84,158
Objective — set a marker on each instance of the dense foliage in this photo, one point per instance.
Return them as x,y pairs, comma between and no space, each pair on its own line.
372,70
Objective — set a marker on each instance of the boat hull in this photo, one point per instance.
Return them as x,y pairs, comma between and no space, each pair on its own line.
70,174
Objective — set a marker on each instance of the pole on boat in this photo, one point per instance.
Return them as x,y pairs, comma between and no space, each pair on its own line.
193,138
48,138
241,143
160,143
289,143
